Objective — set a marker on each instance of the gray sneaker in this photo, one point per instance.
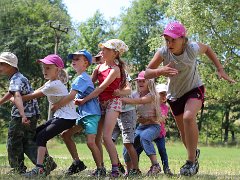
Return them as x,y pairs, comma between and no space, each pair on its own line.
36,172
99,172
189,168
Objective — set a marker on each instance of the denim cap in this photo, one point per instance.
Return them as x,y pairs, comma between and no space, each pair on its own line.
116,44
175,30
52,59
82,52
9,58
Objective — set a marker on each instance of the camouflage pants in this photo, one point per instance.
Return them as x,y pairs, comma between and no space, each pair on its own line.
21,141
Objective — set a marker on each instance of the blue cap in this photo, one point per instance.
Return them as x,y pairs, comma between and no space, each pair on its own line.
82,52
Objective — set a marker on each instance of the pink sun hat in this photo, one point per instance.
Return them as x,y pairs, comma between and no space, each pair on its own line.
175,30
52,59
141,75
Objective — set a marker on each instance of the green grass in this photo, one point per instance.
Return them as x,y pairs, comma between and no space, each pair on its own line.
215,162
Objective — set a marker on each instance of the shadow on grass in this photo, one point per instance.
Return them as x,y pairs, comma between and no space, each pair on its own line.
59,175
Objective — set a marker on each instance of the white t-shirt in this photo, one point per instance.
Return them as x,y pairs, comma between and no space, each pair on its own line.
55,91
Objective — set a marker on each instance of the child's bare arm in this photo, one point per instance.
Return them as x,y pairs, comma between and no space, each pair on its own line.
19,104
123,92
142,100
213,57
5,98
65,100
36,94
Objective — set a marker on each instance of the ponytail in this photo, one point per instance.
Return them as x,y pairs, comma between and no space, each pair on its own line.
63,76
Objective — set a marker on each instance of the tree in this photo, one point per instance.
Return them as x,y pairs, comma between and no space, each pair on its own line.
139,23
25,31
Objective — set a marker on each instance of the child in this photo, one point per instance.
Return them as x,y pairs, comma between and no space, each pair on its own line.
126,125
160,141
185,88
98,58
148,117
111,76
64,118
89,113
24,116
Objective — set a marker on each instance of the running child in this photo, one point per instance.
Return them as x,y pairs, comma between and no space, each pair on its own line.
185,89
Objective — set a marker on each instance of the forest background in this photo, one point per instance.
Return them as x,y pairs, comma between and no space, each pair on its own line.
33,29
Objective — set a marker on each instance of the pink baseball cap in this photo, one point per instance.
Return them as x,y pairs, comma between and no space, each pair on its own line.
141,75
52,59
175,30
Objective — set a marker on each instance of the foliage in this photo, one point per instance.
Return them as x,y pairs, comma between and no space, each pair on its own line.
25,31
139,23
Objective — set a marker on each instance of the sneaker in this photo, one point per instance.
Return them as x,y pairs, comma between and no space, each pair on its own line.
35,172
99,172
49,165
133,173
114,174
121,168
75,168
197,154
189,168
167,171
154,169
20,170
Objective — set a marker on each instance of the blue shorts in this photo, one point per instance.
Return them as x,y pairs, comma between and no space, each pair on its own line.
89,123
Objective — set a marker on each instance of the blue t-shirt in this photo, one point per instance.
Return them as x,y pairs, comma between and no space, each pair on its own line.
20,83
84,85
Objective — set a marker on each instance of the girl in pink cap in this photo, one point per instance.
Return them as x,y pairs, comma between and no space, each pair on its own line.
111,76
185,89
63,118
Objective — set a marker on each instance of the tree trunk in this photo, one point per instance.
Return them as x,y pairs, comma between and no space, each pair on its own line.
226,129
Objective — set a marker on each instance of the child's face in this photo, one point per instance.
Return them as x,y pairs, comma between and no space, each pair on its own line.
109,54
142,85
5,69
79,63
163,97
175,45
50,71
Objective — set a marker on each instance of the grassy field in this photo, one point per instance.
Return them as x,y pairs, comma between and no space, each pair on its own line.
215,162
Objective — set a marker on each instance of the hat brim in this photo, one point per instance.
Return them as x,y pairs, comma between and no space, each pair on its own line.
45,61
174,36
5,61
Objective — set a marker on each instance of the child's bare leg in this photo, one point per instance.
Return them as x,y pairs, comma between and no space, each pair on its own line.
94,149
133,155
109,124
98,138
190,126
67,138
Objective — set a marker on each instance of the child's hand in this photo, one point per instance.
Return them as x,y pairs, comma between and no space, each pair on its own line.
54,107
222,74
116,92
168,70
79,102
11,99
25,121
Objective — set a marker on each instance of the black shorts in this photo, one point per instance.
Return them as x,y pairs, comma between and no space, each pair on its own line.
178,105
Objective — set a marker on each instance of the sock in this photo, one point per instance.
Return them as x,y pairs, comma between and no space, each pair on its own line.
39,165
114,167
76,162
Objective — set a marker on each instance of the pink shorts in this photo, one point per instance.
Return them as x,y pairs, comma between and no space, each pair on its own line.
114,104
